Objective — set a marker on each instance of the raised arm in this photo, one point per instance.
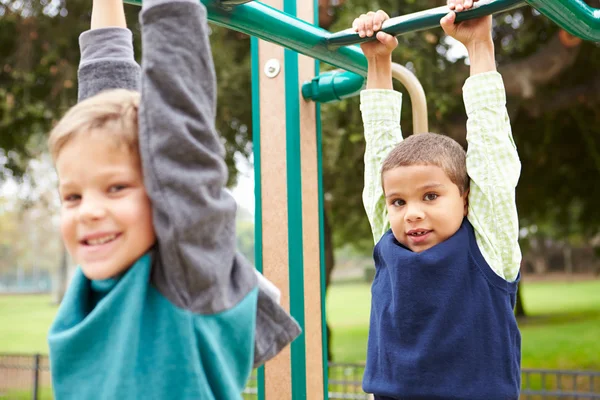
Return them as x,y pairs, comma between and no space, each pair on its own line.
380,106
182,158
492,160
107,60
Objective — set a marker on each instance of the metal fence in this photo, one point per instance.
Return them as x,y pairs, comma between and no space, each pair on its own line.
25,377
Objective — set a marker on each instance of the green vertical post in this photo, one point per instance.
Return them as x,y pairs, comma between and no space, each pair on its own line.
323,266
294,196
257,182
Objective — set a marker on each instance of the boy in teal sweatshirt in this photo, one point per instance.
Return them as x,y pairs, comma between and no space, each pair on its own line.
162,305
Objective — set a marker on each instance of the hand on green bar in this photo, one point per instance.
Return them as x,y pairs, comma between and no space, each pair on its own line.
574,16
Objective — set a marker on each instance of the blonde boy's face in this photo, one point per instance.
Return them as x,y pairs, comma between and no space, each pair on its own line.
424,206
106,215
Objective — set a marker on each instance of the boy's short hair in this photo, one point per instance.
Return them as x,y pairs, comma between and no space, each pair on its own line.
115,112
431,149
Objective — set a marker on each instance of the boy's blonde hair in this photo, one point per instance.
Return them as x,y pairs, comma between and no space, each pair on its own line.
431,149
115,112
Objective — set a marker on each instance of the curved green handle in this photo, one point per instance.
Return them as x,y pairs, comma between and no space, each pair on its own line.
574,16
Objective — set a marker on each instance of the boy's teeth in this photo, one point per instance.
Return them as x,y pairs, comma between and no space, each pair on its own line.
105,239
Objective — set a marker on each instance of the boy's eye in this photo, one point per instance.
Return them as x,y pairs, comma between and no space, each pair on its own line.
116,188
70,198
431,196
398,203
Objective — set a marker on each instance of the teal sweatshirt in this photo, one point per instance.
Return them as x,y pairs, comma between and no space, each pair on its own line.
189,319
122,339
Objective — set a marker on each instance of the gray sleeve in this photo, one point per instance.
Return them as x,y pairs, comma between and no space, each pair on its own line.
182,157
196,265
107,62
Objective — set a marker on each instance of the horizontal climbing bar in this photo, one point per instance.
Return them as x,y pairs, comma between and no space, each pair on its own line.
574,16
426,19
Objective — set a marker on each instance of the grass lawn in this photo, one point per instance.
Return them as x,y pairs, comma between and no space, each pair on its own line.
24,323
562,329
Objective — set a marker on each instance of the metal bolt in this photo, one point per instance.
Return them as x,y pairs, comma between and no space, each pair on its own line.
272,68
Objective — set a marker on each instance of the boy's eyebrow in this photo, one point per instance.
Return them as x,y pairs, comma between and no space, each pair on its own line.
427,186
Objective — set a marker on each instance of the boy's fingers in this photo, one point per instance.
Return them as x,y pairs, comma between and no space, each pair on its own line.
355,24
388,40
379,19
369,23
361,26
451,4
447,22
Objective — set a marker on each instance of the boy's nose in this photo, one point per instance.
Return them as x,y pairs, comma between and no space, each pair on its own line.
91,209
413,213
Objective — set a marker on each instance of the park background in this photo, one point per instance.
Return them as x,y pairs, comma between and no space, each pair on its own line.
553,88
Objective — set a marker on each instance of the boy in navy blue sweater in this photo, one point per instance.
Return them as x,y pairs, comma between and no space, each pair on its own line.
161,306
445,223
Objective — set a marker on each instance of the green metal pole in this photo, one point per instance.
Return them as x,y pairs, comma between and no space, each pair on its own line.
574,16
424,20
272,25
258,246
333,86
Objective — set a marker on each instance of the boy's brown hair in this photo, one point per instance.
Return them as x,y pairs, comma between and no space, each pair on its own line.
115,112
431,149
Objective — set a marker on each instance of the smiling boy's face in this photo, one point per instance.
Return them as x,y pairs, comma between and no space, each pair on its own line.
424,206
106,215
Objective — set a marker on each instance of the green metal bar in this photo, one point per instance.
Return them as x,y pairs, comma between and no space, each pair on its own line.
258,246
333,86
424,20
294,200
574,16
323,265
321,197
272,25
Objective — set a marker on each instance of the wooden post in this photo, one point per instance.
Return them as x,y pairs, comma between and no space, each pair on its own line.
288,207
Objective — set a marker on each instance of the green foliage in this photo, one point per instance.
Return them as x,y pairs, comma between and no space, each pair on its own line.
38,72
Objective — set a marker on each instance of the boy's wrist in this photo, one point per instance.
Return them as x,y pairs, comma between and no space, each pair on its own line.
379,72
481,56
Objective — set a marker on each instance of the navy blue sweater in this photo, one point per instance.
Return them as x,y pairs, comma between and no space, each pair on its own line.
442,324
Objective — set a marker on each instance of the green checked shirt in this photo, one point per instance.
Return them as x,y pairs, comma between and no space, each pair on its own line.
492,164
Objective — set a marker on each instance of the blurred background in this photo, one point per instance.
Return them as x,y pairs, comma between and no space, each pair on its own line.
553,87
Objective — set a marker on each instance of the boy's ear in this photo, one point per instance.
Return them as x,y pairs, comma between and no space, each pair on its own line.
466,201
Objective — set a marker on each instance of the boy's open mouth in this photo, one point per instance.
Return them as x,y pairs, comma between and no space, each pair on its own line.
100,240
419,232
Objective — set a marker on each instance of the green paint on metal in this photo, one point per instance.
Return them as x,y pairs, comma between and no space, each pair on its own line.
294,196
333,86
282,28
574,16
423,20
323,266
267,23
258,248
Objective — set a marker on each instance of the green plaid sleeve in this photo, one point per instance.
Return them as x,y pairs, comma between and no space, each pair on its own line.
494,168
380,110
